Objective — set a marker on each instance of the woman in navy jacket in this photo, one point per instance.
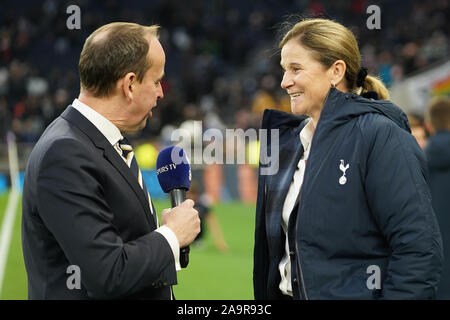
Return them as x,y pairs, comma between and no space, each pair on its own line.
348,213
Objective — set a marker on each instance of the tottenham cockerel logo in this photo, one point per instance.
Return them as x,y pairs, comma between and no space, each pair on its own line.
343,167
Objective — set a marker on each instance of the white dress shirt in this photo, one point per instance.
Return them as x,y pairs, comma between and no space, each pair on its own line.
113,135
285,265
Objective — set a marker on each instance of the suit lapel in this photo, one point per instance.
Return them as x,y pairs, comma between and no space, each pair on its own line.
155,216
73,116
115,159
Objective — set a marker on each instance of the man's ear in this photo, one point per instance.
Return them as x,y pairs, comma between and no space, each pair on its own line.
128,85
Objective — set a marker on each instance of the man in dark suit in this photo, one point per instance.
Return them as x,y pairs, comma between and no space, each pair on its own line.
89,228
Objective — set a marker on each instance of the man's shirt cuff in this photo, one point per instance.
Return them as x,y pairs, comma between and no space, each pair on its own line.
173,242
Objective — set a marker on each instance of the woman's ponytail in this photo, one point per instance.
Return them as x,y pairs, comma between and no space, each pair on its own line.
372,83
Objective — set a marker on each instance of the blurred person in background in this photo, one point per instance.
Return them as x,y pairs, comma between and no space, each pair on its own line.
418,130
348,214
207,218
85,205
438,156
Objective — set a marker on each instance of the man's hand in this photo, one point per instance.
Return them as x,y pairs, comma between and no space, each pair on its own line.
183,220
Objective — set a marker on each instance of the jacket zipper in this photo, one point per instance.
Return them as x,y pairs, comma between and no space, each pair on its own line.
302,281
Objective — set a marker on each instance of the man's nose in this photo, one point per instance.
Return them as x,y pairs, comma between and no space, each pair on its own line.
160,92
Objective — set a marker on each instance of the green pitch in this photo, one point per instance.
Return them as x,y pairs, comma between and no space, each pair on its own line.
211,275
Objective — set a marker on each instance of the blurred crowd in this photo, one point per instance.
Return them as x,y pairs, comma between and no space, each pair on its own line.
222,56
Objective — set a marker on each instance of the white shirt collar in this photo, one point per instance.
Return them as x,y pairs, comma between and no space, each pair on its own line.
306,135
106,127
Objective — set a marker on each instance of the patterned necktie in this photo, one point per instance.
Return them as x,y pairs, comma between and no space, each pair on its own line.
130,159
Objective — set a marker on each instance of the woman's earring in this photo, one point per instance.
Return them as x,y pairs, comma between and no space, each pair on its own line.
333,84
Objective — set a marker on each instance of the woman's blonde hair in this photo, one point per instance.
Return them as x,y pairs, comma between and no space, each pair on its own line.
330,41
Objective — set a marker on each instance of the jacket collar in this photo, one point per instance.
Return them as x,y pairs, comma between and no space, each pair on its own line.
339,107
106,127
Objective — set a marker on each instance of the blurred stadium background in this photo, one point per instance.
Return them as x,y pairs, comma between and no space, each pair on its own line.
222,69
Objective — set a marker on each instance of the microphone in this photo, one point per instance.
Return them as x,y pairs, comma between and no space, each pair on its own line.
174,175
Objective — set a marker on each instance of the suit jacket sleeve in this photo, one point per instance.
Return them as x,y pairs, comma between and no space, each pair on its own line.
400,201
72,205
